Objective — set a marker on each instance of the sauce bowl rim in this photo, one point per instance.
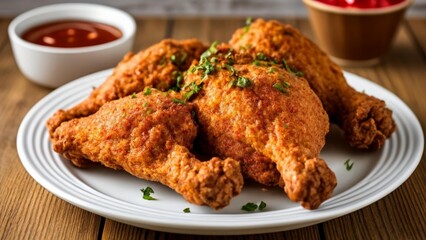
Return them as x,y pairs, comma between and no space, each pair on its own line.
358,11
128,29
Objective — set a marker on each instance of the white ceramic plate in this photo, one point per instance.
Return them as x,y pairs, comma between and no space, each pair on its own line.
116,195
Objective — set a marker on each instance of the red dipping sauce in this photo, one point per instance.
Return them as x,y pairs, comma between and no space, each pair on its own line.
361,3
72,34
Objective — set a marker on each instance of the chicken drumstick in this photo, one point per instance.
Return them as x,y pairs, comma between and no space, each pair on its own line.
267,109
365,119
159,66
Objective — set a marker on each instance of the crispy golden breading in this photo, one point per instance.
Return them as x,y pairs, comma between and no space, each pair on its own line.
149,137
254,165
365,119
264,109
158,66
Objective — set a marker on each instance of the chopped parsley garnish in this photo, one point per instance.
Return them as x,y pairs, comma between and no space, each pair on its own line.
260,56
179,101
147,193
133,95
291,70
178,76
251,207
212,50
248,23
348,164
280,87
228,57
256,62
230,68
262,60
207,63
271,70
287,67
193,89
244,82
147,91
241,82
149,110
173,58
206,66
163,60
187,210
178,61
262,205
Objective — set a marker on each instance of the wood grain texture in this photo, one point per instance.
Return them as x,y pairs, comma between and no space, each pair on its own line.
417,27
28,211
119,231
401,214
149,32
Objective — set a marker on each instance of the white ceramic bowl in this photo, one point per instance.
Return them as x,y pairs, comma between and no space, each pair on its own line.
53,66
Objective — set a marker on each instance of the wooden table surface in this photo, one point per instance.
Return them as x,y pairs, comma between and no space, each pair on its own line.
28,211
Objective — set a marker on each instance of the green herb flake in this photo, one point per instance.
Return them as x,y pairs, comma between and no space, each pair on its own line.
147,193
244,82
248,23
178,61
287,67
173,58
192,69
261,57
231,69
256,63
184,57
280,87
291,70
187,210
228,56
178,101
206,66
193,89
178,76
348,164
147,91
212,48
271,70
163,61
249,207
133,95
262,205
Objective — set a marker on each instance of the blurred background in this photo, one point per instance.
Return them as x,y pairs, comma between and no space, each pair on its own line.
195,8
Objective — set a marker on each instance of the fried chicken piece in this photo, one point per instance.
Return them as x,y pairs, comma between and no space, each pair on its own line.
159,66
242,107
364,119
254,165
149,137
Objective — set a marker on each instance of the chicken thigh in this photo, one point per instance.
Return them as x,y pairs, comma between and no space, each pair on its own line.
149,136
